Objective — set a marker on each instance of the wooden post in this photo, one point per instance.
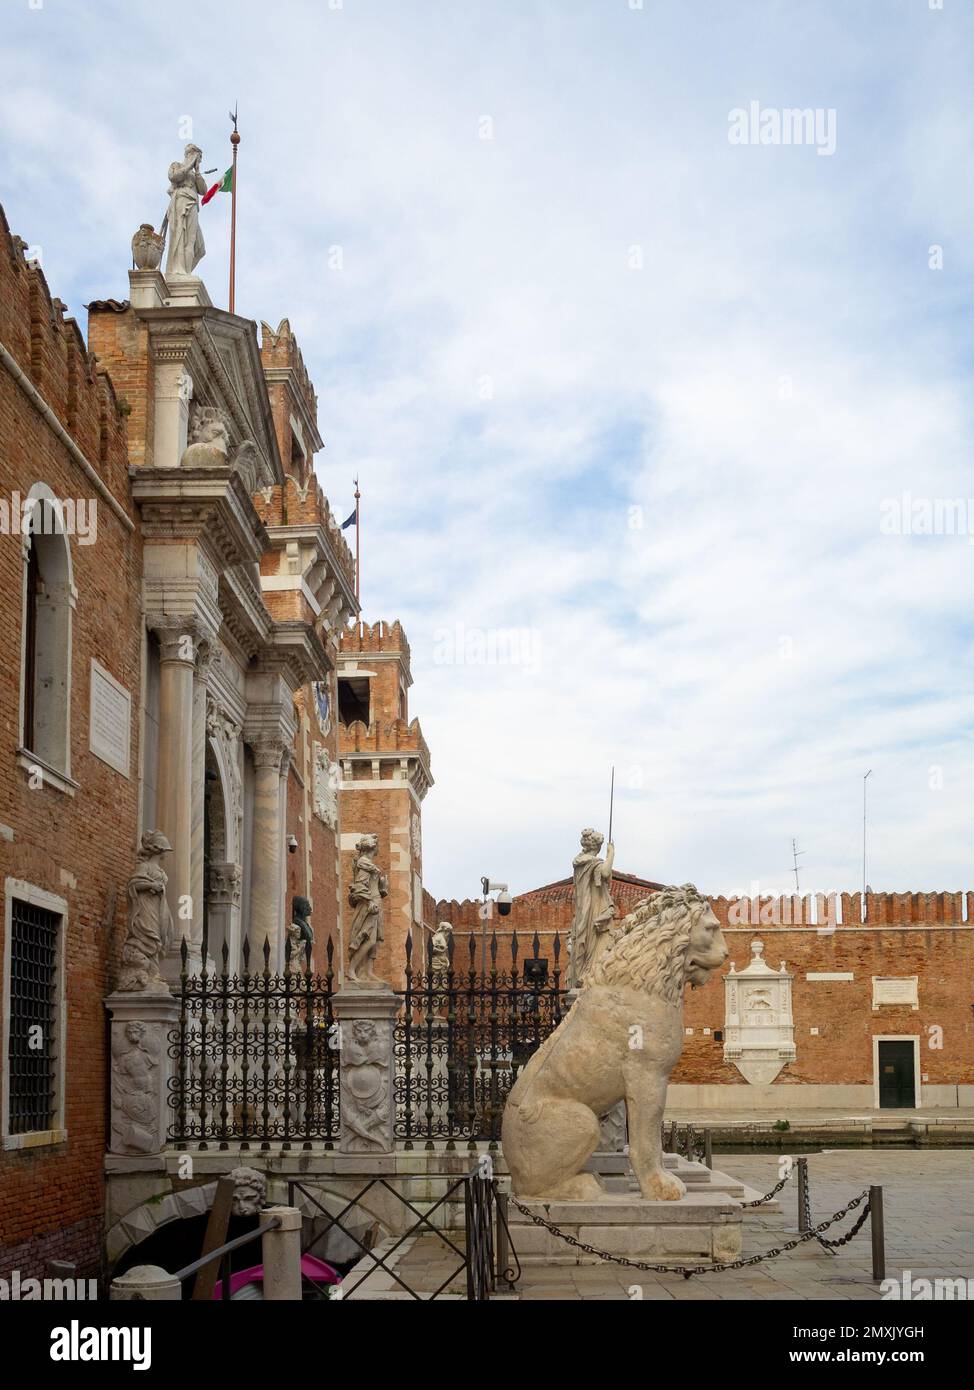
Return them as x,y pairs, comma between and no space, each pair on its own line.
216,1235
708,1148
878,1232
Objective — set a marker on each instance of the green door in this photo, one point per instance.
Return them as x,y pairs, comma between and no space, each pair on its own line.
897,1078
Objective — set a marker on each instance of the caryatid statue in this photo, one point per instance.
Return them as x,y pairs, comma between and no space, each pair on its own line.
186,183
369,886
150,921
594,909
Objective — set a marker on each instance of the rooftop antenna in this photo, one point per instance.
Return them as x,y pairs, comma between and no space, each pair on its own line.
795,852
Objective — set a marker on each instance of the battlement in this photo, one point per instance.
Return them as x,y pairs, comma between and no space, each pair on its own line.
279,351
384,739
550,910
47,345
377,637
823,910
294,505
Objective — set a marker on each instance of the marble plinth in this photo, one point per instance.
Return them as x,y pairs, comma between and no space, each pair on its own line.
700,1227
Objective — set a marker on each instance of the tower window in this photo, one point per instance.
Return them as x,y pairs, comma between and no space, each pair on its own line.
354,702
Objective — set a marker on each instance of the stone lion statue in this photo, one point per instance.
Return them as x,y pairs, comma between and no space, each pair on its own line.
619,1041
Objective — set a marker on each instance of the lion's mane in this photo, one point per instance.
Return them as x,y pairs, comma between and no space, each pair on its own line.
651,945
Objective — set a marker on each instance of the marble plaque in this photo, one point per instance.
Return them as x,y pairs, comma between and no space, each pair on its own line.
110,719
902,991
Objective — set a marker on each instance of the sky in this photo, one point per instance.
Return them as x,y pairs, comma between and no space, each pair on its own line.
655,413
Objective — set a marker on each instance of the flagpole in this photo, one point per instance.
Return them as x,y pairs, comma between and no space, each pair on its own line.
358,543
234,141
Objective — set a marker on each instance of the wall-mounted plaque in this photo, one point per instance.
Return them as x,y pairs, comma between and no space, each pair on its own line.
110,719
900,990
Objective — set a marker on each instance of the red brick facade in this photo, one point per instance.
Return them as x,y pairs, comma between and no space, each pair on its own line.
75,844
930,935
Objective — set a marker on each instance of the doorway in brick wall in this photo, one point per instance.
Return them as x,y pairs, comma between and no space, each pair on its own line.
895,1062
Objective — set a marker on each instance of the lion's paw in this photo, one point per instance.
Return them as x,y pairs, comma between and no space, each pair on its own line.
662,1187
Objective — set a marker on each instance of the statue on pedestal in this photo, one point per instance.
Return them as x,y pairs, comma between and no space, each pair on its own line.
619,1041
186,183
300,933
441,946
594,909
150,921
369,886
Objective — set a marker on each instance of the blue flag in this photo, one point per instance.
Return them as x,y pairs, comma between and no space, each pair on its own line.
350,522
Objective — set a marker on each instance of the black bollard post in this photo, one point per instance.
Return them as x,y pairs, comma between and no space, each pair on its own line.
878,1233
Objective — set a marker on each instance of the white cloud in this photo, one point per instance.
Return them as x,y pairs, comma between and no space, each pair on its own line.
783,362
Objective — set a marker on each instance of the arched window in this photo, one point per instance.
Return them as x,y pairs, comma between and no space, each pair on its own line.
46,666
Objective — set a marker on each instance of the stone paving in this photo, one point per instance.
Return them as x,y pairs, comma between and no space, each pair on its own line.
929,1208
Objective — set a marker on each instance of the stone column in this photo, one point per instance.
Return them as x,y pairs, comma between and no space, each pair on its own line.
197,810
267,843
141,1071
367,1069
174,796
281,1254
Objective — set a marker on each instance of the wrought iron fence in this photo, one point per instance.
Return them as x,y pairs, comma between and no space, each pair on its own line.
465,1031
256,1052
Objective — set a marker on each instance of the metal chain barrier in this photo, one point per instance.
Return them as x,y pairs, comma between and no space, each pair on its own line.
760,1201
842,1240
689,1270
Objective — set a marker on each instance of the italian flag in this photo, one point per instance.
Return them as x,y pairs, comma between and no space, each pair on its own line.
225,185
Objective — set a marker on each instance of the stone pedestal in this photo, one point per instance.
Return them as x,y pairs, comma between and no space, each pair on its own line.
699,1228
366,1019
140,1071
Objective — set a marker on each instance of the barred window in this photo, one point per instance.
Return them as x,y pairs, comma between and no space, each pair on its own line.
32,1041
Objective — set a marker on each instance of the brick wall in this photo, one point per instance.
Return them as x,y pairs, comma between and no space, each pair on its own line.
81,847
930,935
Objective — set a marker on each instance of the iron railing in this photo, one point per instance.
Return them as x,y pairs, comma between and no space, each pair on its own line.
464,1033
483,1252
256,1051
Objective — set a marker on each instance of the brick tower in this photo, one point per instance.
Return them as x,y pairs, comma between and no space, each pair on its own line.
385,774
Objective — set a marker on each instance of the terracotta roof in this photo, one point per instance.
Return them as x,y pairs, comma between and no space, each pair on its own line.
568,883
108,306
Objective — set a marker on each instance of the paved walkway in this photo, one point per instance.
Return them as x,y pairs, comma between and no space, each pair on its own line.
929,1208
961,1116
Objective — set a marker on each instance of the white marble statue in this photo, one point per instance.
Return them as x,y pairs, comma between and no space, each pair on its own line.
620,1040
186,183
369,886
594,909
441,946
150,921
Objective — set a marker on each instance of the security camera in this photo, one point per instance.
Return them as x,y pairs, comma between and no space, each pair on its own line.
292,845
504,903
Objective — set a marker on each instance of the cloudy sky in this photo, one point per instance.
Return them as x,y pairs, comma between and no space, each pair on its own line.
634,404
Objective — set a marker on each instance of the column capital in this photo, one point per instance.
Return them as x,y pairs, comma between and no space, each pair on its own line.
183,639
268,746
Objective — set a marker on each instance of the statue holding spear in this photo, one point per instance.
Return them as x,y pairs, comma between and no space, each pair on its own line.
594,908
